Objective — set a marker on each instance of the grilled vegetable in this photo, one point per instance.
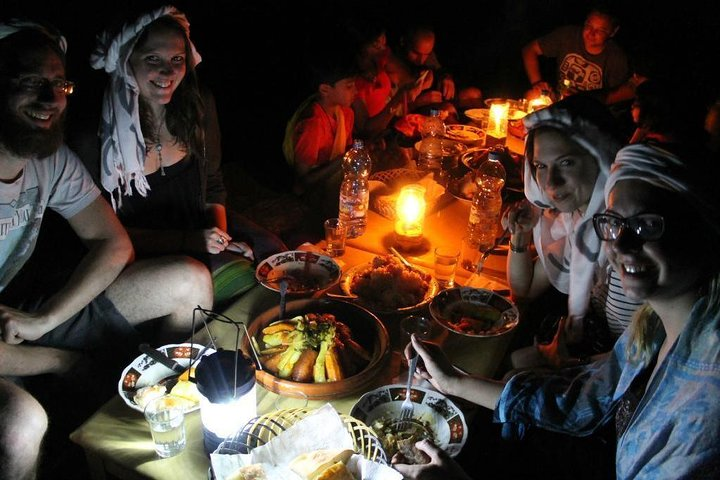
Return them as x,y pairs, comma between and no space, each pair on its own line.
347,339
332,366
281,326
303,369
319,367
270,362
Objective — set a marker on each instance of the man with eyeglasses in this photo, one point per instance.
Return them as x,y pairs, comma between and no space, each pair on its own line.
587,59
105,297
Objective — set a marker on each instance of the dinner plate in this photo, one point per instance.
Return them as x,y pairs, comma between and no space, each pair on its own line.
464,133
392,287
477,114
144,371
381,406
306,272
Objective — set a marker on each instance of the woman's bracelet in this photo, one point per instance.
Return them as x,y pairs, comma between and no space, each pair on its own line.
516,249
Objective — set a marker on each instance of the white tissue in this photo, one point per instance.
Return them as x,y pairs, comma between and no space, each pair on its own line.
322,429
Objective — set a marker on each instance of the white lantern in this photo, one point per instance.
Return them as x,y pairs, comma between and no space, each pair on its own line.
226,381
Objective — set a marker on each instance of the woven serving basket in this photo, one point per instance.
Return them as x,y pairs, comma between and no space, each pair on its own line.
263,428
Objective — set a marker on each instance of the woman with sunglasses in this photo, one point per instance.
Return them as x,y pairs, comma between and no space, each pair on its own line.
569,149
660,383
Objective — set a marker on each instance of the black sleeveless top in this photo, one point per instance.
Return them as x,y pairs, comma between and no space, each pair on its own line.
631,399
173,202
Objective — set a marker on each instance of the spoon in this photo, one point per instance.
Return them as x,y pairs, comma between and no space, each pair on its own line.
487,252
283,291
400,257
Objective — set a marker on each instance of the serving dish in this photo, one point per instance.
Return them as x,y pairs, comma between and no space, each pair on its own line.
145,372
451,147
433,409
512,162
463,188
396,289
367,330
478,114
467,134
474,312
305,272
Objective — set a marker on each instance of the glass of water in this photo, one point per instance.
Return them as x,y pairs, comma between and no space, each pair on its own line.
166,417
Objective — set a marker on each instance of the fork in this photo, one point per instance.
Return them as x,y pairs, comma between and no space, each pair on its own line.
407,408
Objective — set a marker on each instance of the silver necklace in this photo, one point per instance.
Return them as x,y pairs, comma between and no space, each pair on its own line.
158,145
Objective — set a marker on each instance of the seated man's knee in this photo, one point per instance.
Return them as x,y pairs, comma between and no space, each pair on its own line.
23,423
192,280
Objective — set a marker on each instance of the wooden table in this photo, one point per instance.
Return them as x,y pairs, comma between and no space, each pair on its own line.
116,438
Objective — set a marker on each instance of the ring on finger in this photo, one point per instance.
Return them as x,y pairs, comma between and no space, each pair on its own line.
220,240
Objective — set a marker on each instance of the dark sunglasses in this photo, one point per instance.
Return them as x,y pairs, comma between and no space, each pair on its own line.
647,226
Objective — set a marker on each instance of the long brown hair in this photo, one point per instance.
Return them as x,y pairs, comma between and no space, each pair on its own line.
184,113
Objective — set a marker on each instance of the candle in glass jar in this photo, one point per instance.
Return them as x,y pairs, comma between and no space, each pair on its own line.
410,212
498,119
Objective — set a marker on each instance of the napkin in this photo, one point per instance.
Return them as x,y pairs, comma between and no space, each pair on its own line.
322,429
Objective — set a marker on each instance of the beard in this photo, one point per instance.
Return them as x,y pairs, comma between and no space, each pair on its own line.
26,141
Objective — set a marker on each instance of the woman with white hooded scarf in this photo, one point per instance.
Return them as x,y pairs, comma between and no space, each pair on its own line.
569,149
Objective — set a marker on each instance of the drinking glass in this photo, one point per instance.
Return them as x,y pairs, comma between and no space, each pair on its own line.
446,260
335,234
166,417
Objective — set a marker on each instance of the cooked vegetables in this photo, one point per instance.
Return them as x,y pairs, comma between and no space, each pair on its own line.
311,348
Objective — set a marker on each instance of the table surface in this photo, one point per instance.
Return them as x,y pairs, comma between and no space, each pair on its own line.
116,438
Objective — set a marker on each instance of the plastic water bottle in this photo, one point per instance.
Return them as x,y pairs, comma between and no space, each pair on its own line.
431,152
487,203
354,190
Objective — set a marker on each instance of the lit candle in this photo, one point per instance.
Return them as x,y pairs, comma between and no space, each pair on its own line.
498,119
541,101
410,214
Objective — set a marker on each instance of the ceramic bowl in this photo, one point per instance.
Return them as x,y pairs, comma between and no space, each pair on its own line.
379,409
306,273
474,312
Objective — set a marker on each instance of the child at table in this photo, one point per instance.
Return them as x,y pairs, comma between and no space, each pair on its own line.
320,132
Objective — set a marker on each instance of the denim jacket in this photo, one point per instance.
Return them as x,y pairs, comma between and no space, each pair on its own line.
675,429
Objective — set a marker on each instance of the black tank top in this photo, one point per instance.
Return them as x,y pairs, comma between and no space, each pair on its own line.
173,202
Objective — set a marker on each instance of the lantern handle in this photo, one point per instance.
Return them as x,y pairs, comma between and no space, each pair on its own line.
225,319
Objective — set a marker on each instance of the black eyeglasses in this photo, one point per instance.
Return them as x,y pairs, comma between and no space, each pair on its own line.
36,83
648,226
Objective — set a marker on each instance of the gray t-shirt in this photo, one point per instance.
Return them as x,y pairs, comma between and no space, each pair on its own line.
59,182
585,70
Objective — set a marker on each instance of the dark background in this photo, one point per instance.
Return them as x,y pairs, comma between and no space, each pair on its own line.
254,54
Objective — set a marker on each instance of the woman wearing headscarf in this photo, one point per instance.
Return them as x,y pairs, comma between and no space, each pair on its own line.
659,384
569,149
160,151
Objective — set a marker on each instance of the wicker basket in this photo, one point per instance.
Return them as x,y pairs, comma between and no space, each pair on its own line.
263,428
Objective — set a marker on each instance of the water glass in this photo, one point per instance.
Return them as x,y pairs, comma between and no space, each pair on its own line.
470,254
166,417
335,234
446,260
